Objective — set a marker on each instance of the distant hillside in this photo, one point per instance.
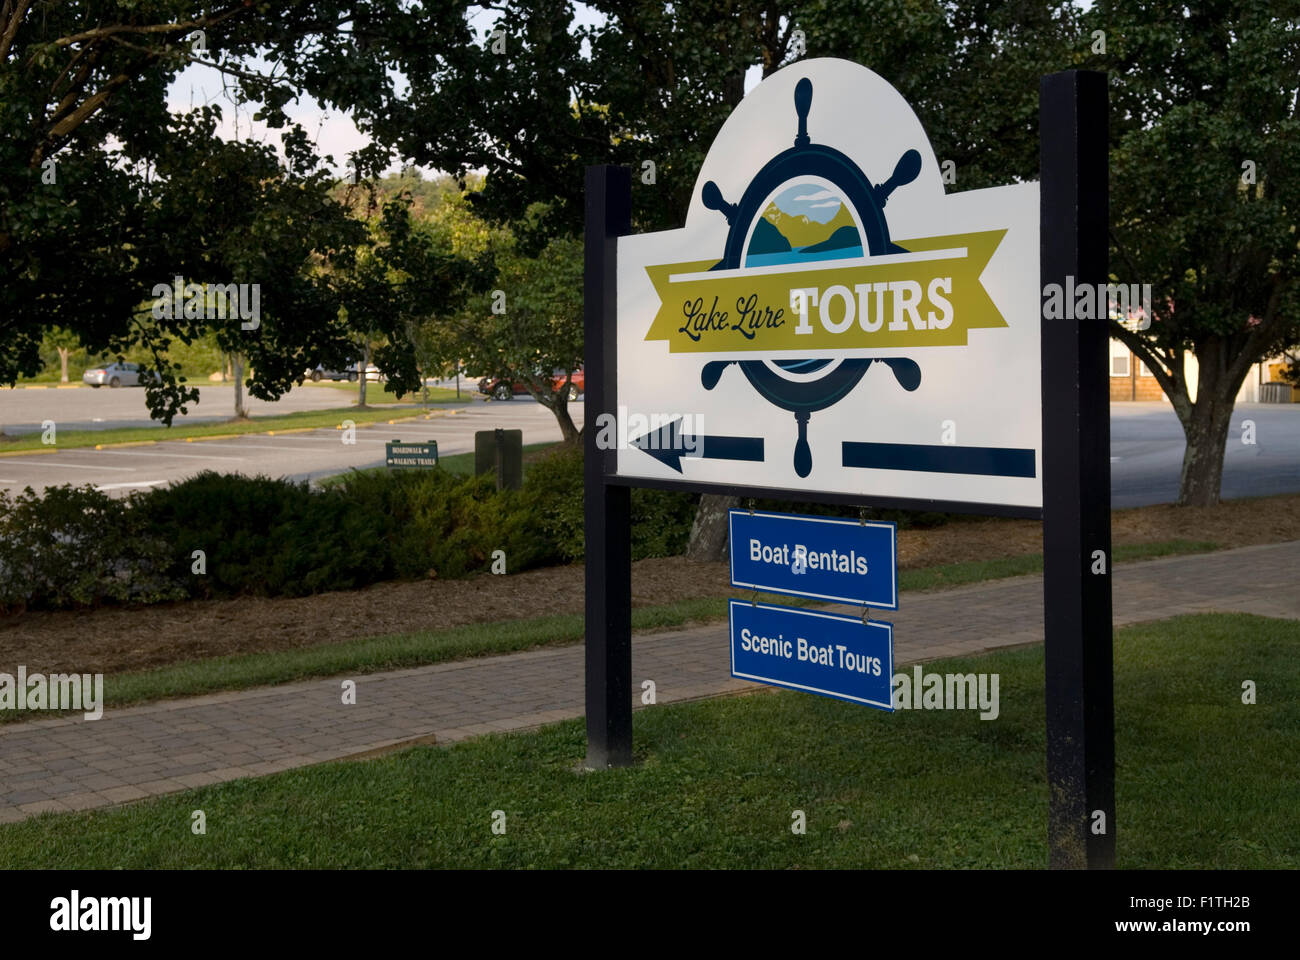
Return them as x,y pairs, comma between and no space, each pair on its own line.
767,239
801,231
841,238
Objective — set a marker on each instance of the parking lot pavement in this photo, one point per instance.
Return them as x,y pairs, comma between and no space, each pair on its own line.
1146,446
298,455
82,408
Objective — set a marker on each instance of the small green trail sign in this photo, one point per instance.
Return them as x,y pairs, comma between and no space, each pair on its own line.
421,454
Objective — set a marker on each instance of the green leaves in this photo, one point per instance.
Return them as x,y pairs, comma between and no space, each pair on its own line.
1205,136
104,193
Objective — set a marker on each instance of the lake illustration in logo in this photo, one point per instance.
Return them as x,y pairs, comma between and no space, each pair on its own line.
803,223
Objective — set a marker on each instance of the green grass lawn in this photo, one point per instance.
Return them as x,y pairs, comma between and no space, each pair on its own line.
399,651
1203,781
301,420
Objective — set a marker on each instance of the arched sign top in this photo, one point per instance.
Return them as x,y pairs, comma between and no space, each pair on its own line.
828,304
767,124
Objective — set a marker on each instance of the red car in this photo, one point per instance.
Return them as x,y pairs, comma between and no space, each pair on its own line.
498,388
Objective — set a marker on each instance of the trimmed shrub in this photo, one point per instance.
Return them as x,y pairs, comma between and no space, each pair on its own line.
263,536
445,525
661,519
71,547
74,546
553,495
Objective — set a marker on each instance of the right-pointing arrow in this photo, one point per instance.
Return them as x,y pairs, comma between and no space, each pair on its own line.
940,458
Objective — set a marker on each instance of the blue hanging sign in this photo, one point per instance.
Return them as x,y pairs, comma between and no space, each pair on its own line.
825,558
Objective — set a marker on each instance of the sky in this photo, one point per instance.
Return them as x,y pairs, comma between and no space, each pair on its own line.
334,132
811,201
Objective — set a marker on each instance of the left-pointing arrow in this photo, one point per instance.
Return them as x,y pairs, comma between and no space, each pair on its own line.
669,445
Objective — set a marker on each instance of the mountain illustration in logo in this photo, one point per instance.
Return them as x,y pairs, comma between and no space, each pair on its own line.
804,222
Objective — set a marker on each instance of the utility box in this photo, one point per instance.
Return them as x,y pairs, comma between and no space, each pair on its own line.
500,452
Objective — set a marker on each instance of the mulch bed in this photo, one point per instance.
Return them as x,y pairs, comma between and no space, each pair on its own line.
114,639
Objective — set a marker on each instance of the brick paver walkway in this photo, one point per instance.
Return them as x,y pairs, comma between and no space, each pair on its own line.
73,764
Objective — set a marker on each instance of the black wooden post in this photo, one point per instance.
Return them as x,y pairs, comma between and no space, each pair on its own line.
607,507
1076,476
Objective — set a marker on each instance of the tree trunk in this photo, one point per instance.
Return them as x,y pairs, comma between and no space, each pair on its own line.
1206,431
237,371
361,374
63,362
1222,366
560,407
1206,422
710,532
557,403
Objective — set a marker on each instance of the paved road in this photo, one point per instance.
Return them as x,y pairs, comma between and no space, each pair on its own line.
74,764
1146,442
23,411
301,456
1146,445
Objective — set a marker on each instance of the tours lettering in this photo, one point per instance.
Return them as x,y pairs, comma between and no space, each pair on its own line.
895,305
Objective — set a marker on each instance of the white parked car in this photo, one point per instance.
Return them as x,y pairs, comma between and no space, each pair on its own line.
348,372
119,375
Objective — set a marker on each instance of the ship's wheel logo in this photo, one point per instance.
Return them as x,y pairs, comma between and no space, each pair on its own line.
808,203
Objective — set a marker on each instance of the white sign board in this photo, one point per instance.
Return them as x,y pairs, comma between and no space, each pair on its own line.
829,319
